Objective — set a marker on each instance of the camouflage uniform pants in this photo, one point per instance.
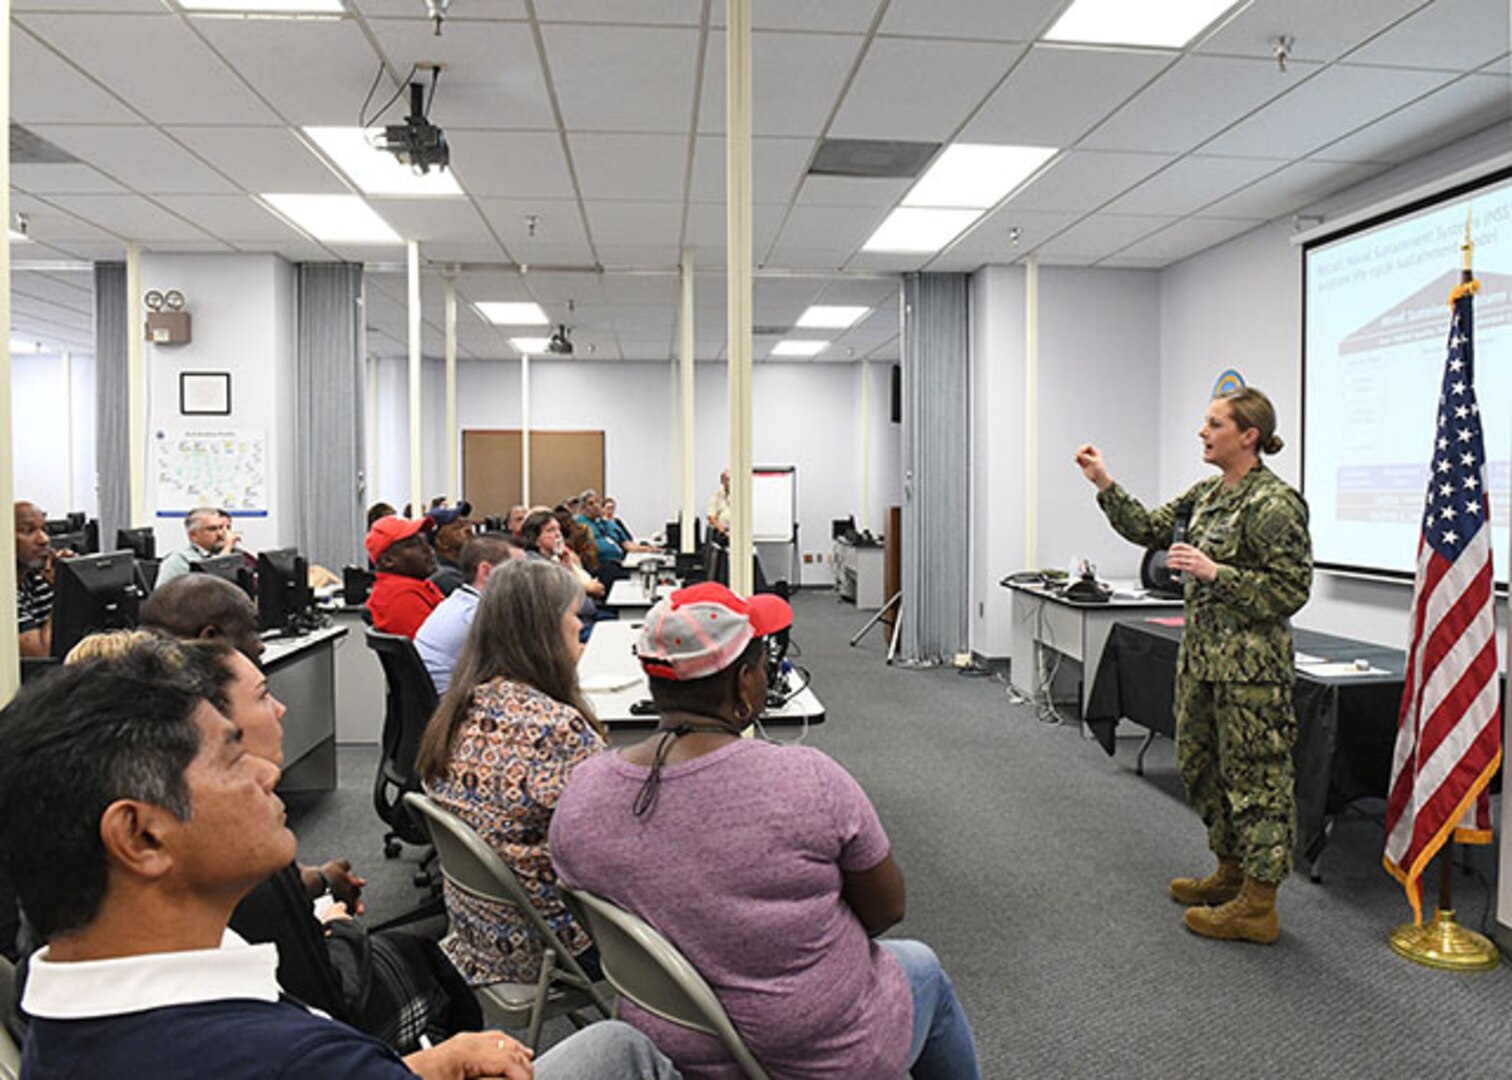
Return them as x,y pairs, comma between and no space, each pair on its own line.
1234,749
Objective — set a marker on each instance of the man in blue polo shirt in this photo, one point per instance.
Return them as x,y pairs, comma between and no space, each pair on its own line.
134,820
442,635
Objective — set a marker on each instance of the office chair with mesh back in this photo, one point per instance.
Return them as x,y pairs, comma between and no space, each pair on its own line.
647,968
563,988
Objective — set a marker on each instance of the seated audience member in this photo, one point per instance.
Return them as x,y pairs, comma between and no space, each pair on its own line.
441,637
619,530
209,534
402,597
35,563
578,538
764,864
591,517
453,527
497,753
542,536
517,515
718,512
379,510
135,819
204,606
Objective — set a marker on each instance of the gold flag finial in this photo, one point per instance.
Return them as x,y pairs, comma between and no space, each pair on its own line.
1469,244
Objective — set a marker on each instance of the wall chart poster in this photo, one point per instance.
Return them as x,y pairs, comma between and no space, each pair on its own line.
228,469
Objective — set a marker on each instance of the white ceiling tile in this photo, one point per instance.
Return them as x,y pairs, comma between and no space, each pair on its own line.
645,167
45,89
1186,238
623,78
302,249
1101,235
1191,183
492,76
558,229
909,88
141,158
837,228
63,179
583,289
840,16
1453,35
131,217
888,261
795,80
54,223
639,256
262,159
1464,106
1056,94
1294,187
1126,262
95,250
650,291
480,248
970,19
510,164
452,218
22,6
991,239
1330,104
1192,101
620,224
1321,32
234,218
149,60
868,292
1082,180
623,12
458,20
708,227
851,191
777,165
312,71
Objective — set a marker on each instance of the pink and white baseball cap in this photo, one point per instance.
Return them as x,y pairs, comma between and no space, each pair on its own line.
703,629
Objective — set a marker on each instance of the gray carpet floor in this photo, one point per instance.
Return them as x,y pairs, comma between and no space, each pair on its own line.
1036,868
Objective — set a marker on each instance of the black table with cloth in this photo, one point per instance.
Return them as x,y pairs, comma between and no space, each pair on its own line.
1346,724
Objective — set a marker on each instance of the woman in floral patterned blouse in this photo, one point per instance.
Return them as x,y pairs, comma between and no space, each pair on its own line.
497,754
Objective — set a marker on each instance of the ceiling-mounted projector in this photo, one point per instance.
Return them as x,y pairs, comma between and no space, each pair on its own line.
560,344
417,142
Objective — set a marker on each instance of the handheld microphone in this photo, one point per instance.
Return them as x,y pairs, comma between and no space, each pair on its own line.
1179,529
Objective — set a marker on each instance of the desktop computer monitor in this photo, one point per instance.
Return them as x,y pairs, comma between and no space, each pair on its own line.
93,593
283,589
232,567
141,542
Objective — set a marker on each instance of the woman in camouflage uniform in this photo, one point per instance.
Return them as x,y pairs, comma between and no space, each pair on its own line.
1248,567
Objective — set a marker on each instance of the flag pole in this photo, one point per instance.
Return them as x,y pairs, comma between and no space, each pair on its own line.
1444,943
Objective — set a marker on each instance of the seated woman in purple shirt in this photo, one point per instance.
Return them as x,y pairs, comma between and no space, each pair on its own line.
764,864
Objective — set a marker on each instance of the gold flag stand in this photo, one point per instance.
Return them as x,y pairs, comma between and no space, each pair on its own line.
1444,943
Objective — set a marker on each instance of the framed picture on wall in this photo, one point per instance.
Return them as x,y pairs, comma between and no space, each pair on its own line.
205,393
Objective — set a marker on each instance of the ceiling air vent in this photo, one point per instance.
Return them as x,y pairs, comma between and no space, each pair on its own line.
28,148
769,331
875,159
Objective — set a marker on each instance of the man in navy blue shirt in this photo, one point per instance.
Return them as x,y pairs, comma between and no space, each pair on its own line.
133,819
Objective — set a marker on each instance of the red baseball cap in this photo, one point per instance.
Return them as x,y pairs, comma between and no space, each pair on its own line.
703,629
388,531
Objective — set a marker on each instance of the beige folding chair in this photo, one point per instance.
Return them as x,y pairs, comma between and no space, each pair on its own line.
472,866
647,968
10,1053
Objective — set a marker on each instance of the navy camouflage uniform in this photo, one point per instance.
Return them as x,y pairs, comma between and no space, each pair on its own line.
1235,726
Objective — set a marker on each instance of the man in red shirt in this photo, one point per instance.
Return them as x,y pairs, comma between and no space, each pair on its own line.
401,597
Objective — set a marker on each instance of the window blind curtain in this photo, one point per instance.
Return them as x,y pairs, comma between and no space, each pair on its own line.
328,438
936,445
112,430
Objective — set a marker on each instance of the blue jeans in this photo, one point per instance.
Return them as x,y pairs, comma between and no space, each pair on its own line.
942,1046
602,1051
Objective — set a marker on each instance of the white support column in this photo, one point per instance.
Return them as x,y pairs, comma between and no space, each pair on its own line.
525,429
864,521
738,201
453,483
10,653
136,388
688,503
370,432
417,493
1031,409
68,431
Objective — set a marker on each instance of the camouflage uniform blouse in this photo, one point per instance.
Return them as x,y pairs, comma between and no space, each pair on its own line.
1238,627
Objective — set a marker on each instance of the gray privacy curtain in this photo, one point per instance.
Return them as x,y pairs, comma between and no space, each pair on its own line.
112,432
936,451
328,415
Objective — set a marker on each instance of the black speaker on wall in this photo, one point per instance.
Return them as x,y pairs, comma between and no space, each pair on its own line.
897,394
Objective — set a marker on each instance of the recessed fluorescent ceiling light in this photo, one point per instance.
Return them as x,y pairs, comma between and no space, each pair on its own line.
25,348
533,346
975,176
916,230
337,219
278,7
19,237
799,348
375,171
513,314
830,317
1169,23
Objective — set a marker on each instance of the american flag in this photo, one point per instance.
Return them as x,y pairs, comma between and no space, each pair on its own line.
1448,743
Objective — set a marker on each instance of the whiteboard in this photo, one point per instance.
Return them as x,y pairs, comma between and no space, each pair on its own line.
774,504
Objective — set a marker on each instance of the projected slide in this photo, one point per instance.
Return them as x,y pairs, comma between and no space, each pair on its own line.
1377,323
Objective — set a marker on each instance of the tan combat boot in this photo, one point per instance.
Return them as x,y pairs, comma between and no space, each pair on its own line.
1219,887
1250,916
